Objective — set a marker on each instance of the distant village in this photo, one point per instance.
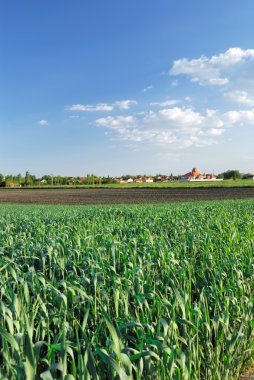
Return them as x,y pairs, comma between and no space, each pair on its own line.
194,175
91,179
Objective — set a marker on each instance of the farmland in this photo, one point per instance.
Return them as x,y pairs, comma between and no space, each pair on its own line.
121,195
171,184
128,292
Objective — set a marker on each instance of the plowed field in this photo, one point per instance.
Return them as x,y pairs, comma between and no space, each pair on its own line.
120,196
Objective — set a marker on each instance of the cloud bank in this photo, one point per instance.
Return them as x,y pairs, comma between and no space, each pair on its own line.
175,127
240,97
211,70
103,107
169,123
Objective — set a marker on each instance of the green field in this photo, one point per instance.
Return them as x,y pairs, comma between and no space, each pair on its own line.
226,183
127,292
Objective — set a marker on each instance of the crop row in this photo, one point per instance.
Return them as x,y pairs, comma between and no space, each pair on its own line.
117,292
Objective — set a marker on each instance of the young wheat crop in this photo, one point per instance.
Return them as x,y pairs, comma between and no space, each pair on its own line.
137,292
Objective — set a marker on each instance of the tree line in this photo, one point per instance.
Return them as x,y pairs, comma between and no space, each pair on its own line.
234,174
28,179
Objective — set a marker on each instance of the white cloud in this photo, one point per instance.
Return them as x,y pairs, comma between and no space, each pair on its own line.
124,104
43,122
181,117
116,122
176,127
241,117
166,103
210,112
215,132
103,107
240,97
211,71
148,88
89,108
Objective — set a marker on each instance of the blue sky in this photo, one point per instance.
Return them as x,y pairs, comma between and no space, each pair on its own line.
118,86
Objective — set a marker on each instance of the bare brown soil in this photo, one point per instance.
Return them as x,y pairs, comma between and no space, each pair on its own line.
248,375
120,196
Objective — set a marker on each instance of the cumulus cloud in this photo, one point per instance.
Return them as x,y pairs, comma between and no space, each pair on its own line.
176,127
124,104
240,117
215,132
211,70
103,107
240,97
43,122
176,123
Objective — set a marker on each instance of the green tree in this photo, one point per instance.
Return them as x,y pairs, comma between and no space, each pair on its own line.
230,174
29,179
1,179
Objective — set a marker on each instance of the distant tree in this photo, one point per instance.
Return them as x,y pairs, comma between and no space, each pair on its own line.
64,180
107,180
1,179
91,178
20,179
230,174
127,176
9,180
29,179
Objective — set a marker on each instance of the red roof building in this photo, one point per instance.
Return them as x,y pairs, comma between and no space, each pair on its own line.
194,174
